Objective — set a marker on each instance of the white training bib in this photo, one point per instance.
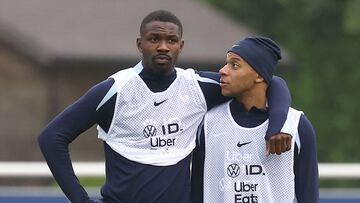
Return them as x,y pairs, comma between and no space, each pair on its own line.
236,168
155,128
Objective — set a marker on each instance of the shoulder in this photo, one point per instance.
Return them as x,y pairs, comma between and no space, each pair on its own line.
99,90
201,76
124,73
305,127
189,72
94,97
104,85
218,111
307,137
122,77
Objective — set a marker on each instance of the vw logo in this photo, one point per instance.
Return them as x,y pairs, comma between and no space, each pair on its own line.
233,170
149,131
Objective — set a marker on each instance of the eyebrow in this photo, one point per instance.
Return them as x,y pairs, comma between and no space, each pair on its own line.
168,36
235,57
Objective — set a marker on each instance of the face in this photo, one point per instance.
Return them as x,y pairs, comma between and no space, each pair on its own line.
237,76
160,44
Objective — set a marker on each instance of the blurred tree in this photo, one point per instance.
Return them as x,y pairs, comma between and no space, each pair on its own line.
323,38
352,16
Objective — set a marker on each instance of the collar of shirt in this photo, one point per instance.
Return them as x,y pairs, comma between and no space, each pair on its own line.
244,118
155,82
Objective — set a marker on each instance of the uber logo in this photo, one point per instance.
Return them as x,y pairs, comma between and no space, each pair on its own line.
149,131
233,170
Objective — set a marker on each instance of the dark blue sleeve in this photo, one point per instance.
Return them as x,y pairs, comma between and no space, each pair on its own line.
197,168
306,165
279,100
62,130
209,84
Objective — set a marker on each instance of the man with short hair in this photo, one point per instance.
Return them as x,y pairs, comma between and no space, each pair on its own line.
147,117
229,164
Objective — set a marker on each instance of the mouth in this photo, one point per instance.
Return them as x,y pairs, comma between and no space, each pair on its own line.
223,83
161,59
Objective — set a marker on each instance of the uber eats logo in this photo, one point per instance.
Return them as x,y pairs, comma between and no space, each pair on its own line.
160,135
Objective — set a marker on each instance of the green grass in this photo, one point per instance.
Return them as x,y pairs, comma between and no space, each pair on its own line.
353,183
88,181
92,182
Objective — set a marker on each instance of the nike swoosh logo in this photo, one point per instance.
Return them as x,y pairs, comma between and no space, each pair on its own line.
158,103
242,144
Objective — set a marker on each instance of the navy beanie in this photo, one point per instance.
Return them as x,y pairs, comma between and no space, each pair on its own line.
261,53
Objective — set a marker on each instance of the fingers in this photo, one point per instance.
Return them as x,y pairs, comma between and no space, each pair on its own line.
284,146
288,142
278,144
270,146
267,148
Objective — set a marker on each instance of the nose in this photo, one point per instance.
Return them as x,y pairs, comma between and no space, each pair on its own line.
163,46
223,70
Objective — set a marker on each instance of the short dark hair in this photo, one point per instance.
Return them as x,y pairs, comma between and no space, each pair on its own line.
162,16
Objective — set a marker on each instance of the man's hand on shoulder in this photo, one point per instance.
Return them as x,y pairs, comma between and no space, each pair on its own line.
278,144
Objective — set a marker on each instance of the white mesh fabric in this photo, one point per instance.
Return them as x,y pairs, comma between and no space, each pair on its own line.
236,168
155,128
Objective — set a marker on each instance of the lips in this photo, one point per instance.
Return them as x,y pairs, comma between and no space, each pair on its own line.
222,83
161,58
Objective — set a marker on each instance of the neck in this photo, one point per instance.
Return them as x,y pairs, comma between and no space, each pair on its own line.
157,71
255,97
156,75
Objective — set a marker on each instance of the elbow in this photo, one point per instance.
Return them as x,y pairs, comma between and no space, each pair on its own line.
48,140
43,140
52,141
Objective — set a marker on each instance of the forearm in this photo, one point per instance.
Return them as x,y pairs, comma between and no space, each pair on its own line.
210,87
54,143
55,150
279,100
55,139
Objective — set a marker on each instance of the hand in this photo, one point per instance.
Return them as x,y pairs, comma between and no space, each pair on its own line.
278,143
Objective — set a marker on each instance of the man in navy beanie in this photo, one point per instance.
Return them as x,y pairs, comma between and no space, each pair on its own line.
229,164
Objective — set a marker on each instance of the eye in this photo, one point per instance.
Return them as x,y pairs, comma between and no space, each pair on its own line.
153,39
173,41
234,66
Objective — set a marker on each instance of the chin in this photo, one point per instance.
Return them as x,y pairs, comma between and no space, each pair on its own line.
165,67
162,69
225,93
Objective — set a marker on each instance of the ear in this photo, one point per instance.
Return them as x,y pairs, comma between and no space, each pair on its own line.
259,79
182,43
138,44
